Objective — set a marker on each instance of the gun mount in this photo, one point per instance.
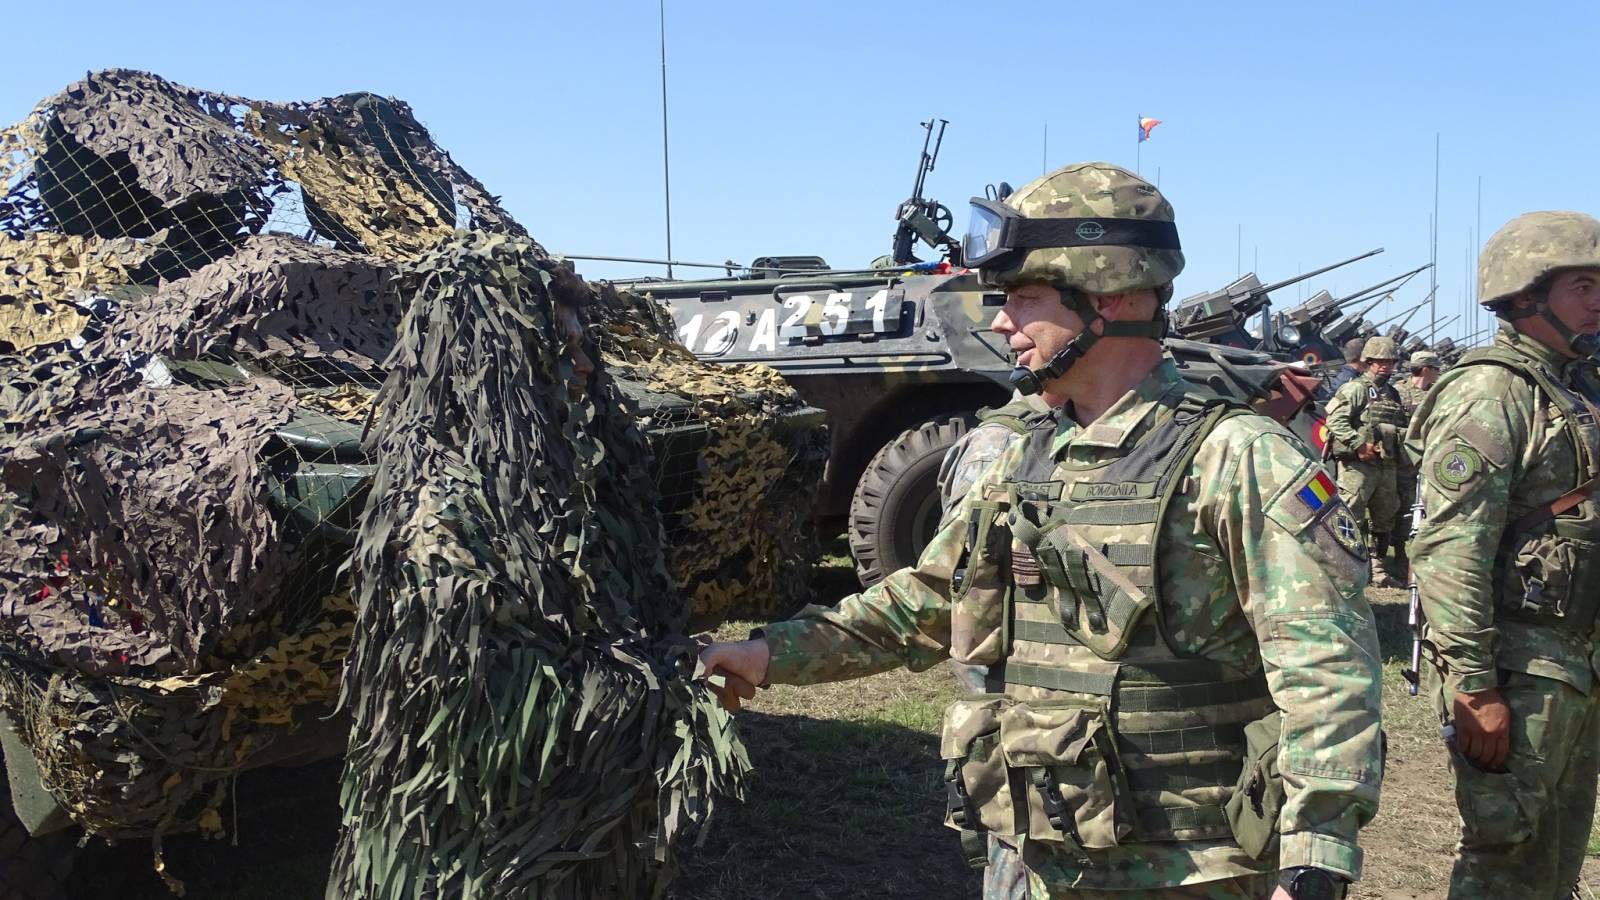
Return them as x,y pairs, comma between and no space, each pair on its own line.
923,218
1219,316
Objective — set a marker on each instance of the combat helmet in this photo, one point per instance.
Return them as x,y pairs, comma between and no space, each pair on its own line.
1379,347
1087,228
1531,248
1425,359
1092,227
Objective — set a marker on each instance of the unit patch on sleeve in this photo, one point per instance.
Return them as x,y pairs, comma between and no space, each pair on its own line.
1457,466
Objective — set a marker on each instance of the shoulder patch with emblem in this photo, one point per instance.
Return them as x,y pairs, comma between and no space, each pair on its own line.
1457,466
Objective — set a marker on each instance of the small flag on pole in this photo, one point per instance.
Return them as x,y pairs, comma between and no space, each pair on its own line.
1145,127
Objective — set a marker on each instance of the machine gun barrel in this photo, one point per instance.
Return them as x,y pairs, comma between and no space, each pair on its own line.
1406,313
1427,335
1382,286
1263,291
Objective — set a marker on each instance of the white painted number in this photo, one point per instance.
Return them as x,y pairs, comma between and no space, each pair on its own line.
836,313
794,327
724,329
879,304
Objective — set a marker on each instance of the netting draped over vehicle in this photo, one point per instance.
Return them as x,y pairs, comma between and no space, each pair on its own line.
198,297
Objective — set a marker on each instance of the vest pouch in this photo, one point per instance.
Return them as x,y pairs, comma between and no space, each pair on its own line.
978,601
1258,798
1097,601
1551,580
1063,756
977,786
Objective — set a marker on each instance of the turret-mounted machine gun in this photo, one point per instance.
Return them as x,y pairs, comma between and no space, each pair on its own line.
1314,330
920,217
1220,316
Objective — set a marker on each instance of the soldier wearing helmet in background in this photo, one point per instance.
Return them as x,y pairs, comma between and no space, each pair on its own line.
1365,422
1423,369
1162,586
1508,561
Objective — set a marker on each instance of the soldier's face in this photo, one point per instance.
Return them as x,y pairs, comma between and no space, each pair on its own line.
1035,324
1575,299
1380,368
1427,375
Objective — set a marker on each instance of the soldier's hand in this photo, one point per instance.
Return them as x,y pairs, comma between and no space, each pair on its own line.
1367,452
1483,728
741,664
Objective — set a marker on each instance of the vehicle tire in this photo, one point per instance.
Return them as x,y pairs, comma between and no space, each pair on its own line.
895,511
31,868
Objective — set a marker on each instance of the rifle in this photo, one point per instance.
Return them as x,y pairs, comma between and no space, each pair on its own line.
923,218
1413,675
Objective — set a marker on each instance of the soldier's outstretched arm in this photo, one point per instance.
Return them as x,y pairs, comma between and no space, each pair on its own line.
1297,561
903,620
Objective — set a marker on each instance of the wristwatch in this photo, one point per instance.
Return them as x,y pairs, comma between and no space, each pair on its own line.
1310,883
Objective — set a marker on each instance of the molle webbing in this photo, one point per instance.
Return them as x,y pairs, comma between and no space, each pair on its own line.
1146,694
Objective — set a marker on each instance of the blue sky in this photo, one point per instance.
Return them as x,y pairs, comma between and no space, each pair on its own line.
1307,128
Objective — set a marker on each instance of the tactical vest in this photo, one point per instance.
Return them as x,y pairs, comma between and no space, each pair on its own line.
1549,570
1382,420
1096,732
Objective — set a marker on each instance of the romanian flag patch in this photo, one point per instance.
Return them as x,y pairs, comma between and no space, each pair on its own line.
1317,491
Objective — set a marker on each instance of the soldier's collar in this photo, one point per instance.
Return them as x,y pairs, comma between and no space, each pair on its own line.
1538,351
1133,412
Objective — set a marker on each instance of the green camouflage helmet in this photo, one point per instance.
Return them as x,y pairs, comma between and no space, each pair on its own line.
1425,359
1533,246
1088,190
1379,347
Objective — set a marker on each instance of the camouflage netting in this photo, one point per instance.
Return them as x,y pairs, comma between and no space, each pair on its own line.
198,297
524,722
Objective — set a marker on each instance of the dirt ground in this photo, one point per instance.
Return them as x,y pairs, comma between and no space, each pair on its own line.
845,802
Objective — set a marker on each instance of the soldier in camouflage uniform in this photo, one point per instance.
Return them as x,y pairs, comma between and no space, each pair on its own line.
1182,678
1507,563
1424,368
1364,421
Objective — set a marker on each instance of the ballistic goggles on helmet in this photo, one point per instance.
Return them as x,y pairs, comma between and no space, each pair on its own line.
998,237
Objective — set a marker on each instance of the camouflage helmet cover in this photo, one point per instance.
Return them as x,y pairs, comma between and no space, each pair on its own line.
1531,247
1425,359
1379,347
1089,190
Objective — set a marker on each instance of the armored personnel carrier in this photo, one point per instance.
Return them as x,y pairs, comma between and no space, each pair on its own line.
901,358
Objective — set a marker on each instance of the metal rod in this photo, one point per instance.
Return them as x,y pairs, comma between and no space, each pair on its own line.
666,162
1433,274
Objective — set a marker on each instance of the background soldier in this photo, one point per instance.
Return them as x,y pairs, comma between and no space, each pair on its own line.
1506,561
1424,366
1148,576
1364,420
1352,364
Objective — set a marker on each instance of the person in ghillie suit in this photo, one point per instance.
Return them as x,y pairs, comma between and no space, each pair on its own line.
525,723
1181,686
1507,561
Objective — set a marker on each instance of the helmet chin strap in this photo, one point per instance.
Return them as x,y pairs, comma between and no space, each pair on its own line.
1029,382
1585,346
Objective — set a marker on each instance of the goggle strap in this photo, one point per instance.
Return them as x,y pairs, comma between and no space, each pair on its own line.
1034,234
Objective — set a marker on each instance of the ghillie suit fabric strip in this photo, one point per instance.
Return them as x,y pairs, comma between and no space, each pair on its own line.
524,721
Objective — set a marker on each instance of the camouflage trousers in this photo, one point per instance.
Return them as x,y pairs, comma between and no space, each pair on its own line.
1524,832
1250,887
1368,490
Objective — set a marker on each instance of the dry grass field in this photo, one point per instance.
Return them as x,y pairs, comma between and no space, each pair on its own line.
845,803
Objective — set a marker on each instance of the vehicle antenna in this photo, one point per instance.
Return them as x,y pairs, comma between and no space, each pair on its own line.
666,163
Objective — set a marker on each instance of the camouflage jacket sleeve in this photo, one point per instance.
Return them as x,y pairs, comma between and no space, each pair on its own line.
1299,569
975,452
1466,435
1344,415
902,620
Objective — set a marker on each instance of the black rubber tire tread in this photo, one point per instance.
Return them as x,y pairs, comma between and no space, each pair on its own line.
894,486
31,868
